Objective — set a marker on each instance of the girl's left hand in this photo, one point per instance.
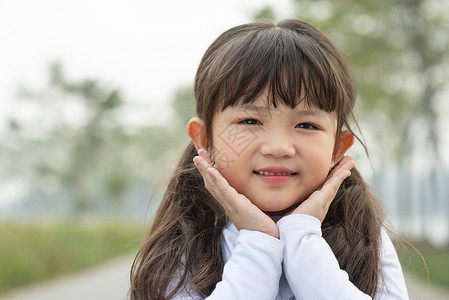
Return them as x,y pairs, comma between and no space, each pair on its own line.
317,205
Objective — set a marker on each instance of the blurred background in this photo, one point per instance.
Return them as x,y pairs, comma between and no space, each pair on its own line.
95,96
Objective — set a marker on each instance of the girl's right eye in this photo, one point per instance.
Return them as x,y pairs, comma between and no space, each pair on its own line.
250,122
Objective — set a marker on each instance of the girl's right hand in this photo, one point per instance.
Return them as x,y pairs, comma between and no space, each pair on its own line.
243,213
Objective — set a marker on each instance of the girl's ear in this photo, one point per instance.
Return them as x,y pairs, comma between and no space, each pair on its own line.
197,132
345,141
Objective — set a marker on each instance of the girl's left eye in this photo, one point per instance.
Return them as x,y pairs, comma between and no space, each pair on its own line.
308,126
250,122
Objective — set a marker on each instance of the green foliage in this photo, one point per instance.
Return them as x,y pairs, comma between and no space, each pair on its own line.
89,90
76,156
76,164
66,156
34,252
437,260
266,13
184,106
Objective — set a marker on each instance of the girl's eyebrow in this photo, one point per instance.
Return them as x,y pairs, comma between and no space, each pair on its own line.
250,106
310,112
316,113
301,112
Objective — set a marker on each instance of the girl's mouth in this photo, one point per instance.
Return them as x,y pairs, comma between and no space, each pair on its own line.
274,173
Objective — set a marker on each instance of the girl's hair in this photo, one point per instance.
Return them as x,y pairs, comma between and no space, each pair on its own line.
294,62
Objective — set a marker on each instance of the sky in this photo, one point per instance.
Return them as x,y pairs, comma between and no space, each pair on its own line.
146,48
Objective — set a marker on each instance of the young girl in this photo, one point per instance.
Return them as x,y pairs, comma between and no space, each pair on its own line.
263,203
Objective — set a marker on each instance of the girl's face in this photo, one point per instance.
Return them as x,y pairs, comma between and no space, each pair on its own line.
276,157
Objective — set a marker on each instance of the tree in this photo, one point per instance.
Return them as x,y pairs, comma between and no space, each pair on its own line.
75,154
74,158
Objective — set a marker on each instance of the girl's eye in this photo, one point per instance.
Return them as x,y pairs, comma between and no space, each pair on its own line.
308,126
250,122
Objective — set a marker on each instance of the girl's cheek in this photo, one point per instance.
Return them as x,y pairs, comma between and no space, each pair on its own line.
233,141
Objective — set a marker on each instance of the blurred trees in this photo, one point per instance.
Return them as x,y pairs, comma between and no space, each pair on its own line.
76,156
67,150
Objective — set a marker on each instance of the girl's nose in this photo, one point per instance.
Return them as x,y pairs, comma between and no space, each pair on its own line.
277,145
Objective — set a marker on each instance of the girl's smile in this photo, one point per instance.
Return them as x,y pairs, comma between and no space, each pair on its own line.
275,175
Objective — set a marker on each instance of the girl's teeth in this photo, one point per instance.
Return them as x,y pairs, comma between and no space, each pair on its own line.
269,173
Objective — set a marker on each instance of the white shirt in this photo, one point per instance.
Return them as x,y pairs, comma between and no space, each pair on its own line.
299,264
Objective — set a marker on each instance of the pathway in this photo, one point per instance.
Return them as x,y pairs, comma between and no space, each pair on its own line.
111,282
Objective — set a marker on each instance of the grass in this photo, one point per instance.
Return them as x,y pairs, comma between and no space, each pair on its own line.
437,260
34,252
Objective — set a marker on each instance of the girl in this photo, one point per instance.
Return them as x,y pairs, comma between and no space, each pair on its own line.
263,203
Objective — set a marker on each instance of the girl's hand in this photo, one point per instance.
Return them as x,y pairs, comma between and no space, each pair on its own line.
240,210
318,203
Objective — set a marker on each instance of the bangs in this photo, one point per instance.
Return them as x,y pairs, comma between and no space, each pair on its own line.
292,62
290,67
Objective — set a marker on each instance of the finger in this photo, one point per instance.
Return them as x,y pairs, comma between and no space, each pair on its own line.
218,186
222,191
347,163
201,165
342,162
210,180
232,202
215,183
204,154
331,186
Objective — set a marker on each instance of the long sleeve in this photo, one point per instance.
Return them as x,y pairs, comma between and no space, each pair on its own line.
252,272
312,269
254,269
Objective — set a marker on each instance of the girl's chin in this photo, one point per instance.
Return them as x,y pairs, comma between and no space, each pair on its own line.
280,211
